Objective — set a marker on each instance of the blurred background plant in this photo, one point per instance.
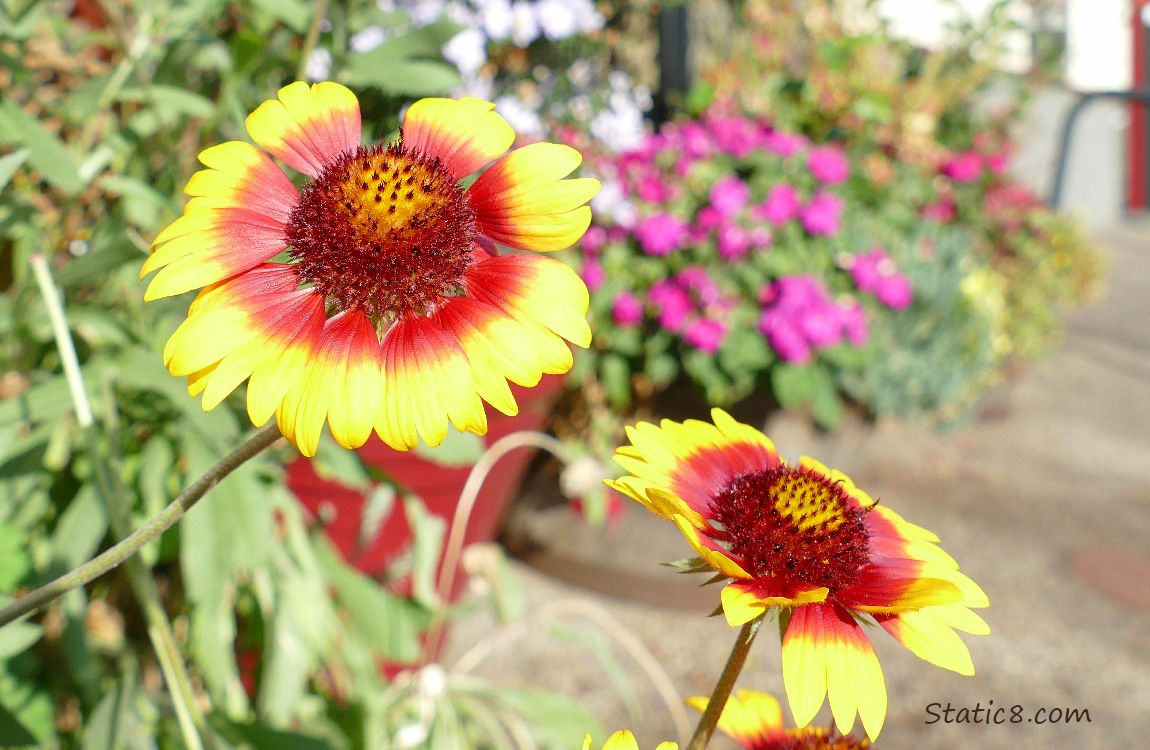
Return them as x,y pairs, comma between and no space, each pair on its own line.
843,230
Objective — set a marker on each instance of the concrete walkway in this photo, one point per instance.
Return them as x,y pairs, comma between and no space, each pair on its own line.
1046,504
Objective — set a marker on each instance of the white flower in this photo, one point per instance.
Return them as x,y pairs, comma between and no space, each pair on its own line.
621,126
610,201
368,39
522,118
557,18
318,65
479,86
425,12
495,18
467,51
581,73
524,24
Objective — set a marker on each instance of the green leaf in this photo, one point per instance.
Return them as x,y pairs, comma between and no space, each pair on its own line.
263,737
112,722
556,721
14,561
18,637
230,529
9,163
213,624
173,99
143,205
82,526
615,373
792,384
106,251
13,734
390,624
427,531
46,153
407,65
457,449
295,14
33,712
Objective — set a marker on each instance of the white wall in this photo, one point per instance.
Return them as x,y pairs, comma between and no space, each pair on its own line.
1098,40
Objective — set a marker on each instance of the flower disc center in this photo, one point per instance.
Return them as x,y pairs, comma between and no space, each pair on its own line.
794,524
383,229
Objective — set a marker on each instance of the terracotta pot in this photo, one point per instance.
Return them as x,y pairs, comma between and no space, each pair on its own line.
438,486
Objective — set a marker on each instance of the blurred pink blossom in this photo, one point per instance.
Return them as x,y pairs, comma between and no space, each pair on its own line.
822,215
660,234
828,164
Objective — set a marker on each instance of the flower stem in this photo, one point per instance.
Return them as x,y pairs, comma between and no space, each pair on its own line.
467,497
710,718
311,39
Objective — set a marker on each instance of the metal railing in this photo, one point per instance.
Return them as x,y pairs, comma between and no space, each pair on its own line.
1141,95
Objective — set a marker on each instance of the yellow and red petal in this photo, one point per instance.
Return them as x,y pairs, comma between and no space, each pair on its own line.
827,655
465,134
745,600
535,289
711,553
239,175
522,200
502,348
206,246
427,381
341,386
929,639
307,127
660,502
749,716
898,586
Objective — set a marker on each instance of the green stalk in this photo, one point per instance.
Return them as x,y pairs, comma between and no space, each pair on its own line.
710,718
311,39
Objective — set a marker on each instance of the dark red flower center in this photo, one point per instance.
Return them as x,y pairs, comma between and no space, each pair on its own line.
808,739
795,525
383,229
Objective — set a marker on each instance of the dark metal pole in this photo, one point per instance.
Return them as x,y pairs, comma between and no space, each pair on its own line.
674,60
1141,96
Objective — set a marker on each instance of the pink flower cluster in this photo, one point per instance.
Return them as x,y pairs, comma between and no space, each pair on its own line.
689,304
798,318
875,272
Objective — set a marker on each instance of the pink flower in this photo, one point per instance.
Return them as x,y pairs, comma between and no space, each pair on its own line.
782,205
673,303
997,163
729,195
695,139
708,218
943,210
592,273
697,280
760,238
822,215
854,322
593,239
894,291
784,338
875,272
660,234
652,188
828,165
966,167
627,310
705,334
736,136
733,242
783,144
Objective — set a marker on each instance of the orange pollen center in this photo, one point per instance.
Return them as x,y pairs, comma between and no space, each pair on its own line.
385,230
795,525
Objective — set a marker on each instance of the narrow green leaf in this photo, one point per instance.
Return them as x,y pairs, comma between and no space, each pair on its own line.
82,526
427,532
390,624
9,163
13,734
112,722
46,153
18,637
